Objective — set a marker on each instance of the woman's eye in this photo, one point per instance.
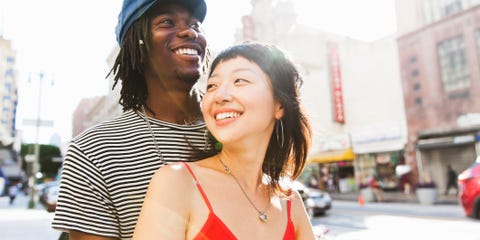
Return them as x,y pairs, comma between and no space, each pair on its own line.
240,80
210,87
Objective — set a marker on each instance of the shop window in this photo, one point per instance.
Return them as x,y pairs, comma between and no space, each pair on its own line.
453,64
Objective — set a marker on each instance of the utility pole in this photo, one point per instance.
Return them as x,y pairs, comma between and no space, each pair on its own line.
35,160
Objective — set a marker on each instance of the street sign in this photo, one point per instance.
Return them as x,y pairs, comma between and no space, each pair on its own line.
33,122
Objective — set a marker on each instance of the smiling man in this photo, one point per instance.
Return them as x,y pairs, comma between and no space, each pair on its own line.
107,168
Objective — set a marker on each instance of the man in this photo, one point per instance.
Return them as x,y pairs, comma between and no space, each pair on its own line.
107,168
451,179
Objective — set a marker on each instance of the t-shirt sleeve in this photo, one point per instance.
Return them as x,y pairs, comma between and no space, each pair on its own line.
83,202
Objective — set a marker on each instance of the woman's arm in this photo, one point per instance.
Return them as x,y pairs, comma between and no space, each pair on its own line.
303,226
165,210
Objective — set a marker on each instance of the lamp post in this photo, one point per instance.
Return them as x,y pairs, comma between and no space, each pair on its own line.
35,163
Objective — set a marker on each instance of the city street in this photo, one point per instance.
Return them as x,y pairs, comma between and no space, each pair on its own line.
345,221
19,223
348,220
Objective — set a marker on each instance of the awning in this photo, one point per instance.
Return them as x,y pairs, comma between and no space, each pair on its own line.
332,156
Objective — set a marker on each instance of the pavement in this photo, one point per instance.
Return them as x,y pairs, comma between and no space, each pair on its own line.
399,197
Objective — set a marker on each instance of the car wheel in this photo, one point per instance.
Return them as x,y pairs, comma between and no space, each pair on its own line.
476,209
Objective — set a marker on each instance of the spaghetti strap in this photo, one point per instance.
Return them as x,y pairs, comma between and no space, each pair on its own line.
289,206
204,196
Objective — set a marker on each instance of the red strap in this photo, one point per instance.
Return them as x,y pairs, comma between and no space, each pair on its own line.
199,187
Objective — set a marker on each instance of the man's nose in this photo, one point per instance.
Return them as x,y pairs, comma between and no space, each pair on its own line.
188,32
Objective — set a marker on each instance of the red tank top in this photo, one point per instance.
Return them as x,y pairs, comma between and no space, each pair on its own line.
214,228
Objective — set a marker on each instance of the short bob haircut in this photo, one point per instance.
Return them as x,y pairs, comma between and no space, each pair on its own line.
287,159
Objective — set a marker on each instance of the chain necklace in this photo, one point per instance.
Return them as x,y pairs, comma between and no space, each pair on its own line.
261,214
160,155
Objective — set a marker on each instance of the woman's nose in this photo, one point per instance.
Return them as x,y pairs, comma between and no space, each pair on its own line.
223,94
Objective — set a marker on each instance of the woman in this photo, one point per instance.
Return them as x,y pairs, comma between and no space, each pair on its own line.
251,107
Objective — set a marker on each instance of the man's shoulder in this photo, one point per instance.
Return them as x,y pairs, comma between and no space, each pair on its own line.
117,125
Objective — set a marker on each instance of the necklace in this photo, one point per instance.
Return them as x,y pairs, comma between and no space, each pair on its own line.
160,155
261,214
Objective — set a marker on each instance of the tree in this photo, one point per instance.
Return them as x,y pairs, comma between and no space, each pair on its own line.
48,167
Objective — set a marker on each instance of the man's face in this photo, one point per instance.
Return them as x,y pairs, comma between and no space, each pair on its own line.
177,45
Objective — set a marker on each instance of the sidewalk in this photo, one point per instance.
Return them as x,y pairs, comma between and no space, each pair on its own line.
398,197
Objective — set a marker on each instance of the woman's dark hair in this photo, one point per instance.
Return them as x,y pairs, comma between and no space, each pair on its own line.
132,58
287,160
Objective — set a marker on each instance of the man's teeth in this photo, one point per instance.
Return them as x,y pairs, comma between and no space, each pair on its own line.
186,51
226,115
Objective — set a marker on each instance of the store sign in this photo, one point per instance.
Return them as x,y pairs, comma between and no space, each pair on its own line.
336,79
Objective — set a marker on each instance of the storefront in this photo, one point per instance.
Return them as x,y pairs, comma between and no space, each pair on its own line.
379,150
334,170
437,149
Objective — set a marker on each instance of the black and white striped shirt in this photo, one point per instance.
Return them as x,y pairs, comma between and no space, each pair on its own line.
107,169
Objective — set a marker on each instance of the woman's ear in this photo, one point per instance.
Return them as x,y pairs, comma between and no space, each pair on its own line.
279,112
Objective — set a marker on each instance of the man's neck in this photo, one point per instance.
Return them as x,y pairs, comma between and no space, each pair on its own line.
175,107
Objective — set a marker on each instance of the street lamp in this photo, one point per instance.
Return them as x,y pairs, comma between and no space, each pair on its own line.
36,160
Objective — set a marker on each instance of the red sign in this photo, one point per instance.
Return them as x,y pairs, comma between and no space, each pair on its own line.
336,78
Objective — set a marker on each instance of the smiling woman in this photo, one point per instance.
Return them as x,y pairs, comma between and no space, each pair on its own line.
251,106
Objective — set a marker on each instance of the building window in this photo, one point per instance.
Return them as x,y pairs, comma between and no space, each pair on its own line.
413,59
416,86
414,73
451,7
478,43
418,101
453,64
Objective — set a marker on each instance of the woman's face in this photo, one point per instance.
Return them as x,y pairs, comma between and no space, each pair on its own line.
239,102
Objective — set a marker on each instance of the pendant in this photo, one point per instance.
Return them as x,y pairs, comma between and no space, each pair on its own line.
263,217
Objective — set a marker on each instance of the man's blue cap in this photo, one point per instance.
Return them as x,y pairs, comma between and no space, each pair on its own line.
134,9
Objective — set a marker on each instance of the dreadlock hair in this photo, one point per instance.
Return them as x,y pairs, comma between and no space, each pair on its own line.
130,63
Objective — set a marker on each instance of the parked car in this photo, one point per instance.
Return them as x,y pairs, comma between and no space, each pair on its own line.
469,190
316,202
49,195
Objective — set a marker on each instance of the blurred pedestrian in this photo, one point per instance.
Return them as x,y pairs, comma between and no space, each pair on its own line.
12,193
376,187
451,180
107,168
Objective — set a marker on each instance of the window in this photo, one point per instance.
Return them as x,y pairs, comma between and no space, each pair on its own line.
478,43
413,59
418,101
416,86
451,7
453,64
414,73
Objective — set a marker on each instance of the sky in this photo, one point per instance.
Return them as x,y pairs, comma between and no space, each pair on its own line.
67,42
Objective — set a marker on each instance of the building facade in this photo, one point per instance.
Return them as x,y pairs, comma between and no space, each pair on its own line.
440,70
8,92
352,94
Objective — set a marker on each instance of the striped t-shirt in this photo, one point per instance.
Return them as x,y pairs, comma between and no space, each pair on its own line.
107,169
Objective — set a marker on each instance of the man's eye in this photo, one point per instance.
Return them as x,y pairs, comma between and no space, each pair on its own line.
196,26
167,21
